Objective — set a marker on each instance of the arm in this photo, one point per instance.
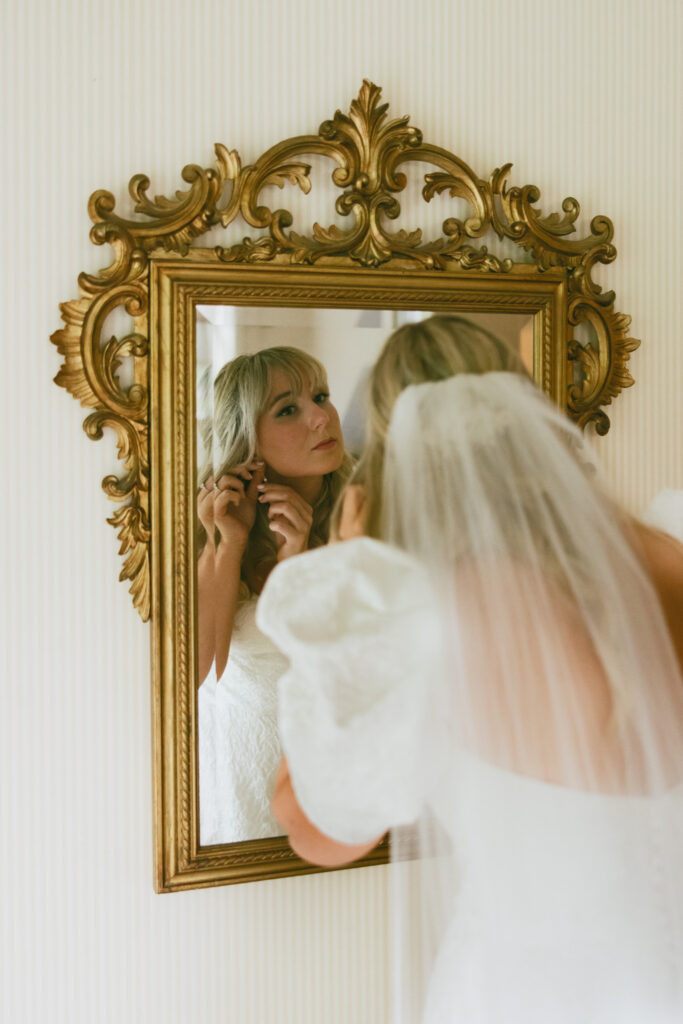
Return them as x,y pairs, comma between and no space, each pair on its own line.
662,557
227,570
206,633
354,513
304,838
206,589
218,582
228,509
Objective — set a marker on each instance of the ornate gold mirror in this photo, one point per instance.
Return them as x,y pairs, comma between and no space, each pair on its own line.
335,293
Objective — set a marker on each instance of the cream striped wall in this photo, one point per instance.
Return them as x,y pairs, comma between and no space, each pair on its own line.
584,99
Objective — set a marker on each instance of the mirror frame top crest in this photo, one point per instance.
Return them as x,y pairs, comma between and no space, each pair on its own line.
158,278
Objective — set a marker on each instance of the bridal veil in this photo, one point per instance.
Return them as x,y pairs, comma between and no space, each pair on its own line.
493,681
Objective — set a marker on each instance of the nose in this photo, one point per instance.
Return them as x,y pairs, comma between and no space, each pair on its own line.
318,417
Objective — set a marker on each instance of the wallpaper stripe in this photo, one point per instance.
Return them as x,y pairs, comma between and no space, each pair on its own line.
584,99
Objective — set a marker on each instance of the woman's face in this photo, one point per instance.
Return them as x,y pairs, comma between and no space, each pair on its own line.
299,435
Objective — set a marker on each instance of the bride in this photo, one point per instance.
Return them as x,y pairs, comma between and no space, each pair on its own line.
276,467
493,672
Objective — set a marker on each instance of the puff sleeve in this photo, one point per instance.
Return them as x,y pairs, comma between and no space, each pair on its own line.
357,622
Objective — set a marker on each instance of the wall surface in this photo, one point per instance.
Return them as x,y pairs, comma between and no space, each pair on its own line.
583,99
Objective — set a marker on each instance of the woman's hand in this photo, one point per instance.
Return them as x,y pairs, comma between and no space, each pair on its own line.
354,513
234,503
290,516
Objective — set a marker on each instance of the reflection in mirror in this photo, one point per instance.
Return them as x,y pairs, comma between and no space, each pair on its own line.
280,421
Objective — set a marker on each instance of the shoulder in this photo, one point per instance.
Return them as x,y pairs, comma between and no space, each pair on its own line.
662,555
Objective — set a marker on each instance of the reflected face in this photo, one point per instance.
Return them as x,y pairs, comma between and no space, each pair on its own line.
299,435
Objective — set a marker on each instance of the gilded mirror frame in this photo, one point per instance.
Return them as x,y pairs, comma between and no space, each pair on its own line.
159,279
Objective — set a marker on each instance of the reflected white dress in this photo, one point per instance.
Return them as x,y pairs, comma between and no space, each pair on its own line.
239,748
560,913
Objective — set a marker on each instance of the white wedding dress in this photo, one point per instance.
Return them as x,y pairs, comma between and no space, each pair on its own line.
239,747
562,914
559,908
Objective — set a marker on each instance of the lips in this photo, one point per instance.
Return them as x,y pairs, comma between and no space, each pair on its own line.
325,445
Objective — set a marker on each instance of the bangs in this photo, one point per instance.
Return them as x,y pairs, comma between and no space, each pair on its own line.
301,369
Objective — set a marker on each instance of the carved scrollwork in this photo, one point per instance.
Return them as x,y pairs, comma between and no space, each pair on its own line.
369,152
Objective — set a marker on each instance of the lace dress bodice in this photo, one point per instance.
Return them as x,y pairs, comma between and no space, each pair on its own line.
239,747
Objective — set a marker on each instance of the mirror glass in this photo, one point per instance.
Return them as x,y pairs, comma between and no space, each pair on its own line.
238,741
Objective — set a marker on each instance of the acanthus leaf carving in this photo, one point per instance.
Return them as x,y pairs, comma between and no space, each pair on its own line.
132,525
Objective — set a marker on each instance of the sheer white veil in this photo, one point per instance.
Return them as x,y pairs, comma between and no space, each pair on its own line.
557,669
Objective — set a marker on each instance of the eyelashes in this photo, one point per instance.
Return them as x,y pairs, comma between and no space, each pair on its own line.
288,410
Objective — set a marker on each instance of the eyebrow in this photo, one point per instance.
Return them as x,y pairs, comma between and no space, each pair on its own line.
285,394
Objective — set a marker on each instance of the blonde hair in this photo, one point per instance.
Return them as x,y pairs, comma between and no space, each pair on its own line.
434,349
240,396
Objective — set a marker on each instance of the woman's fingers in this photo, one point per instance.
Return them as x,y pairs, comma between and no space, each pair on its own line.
269,491
289,516
243,479
230,482
290,513
245,470
256,480
275,493
223,499
284,528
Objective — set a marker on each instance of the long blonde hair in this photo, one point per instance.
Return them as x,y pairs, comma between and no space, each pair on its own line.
433,349
240,396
